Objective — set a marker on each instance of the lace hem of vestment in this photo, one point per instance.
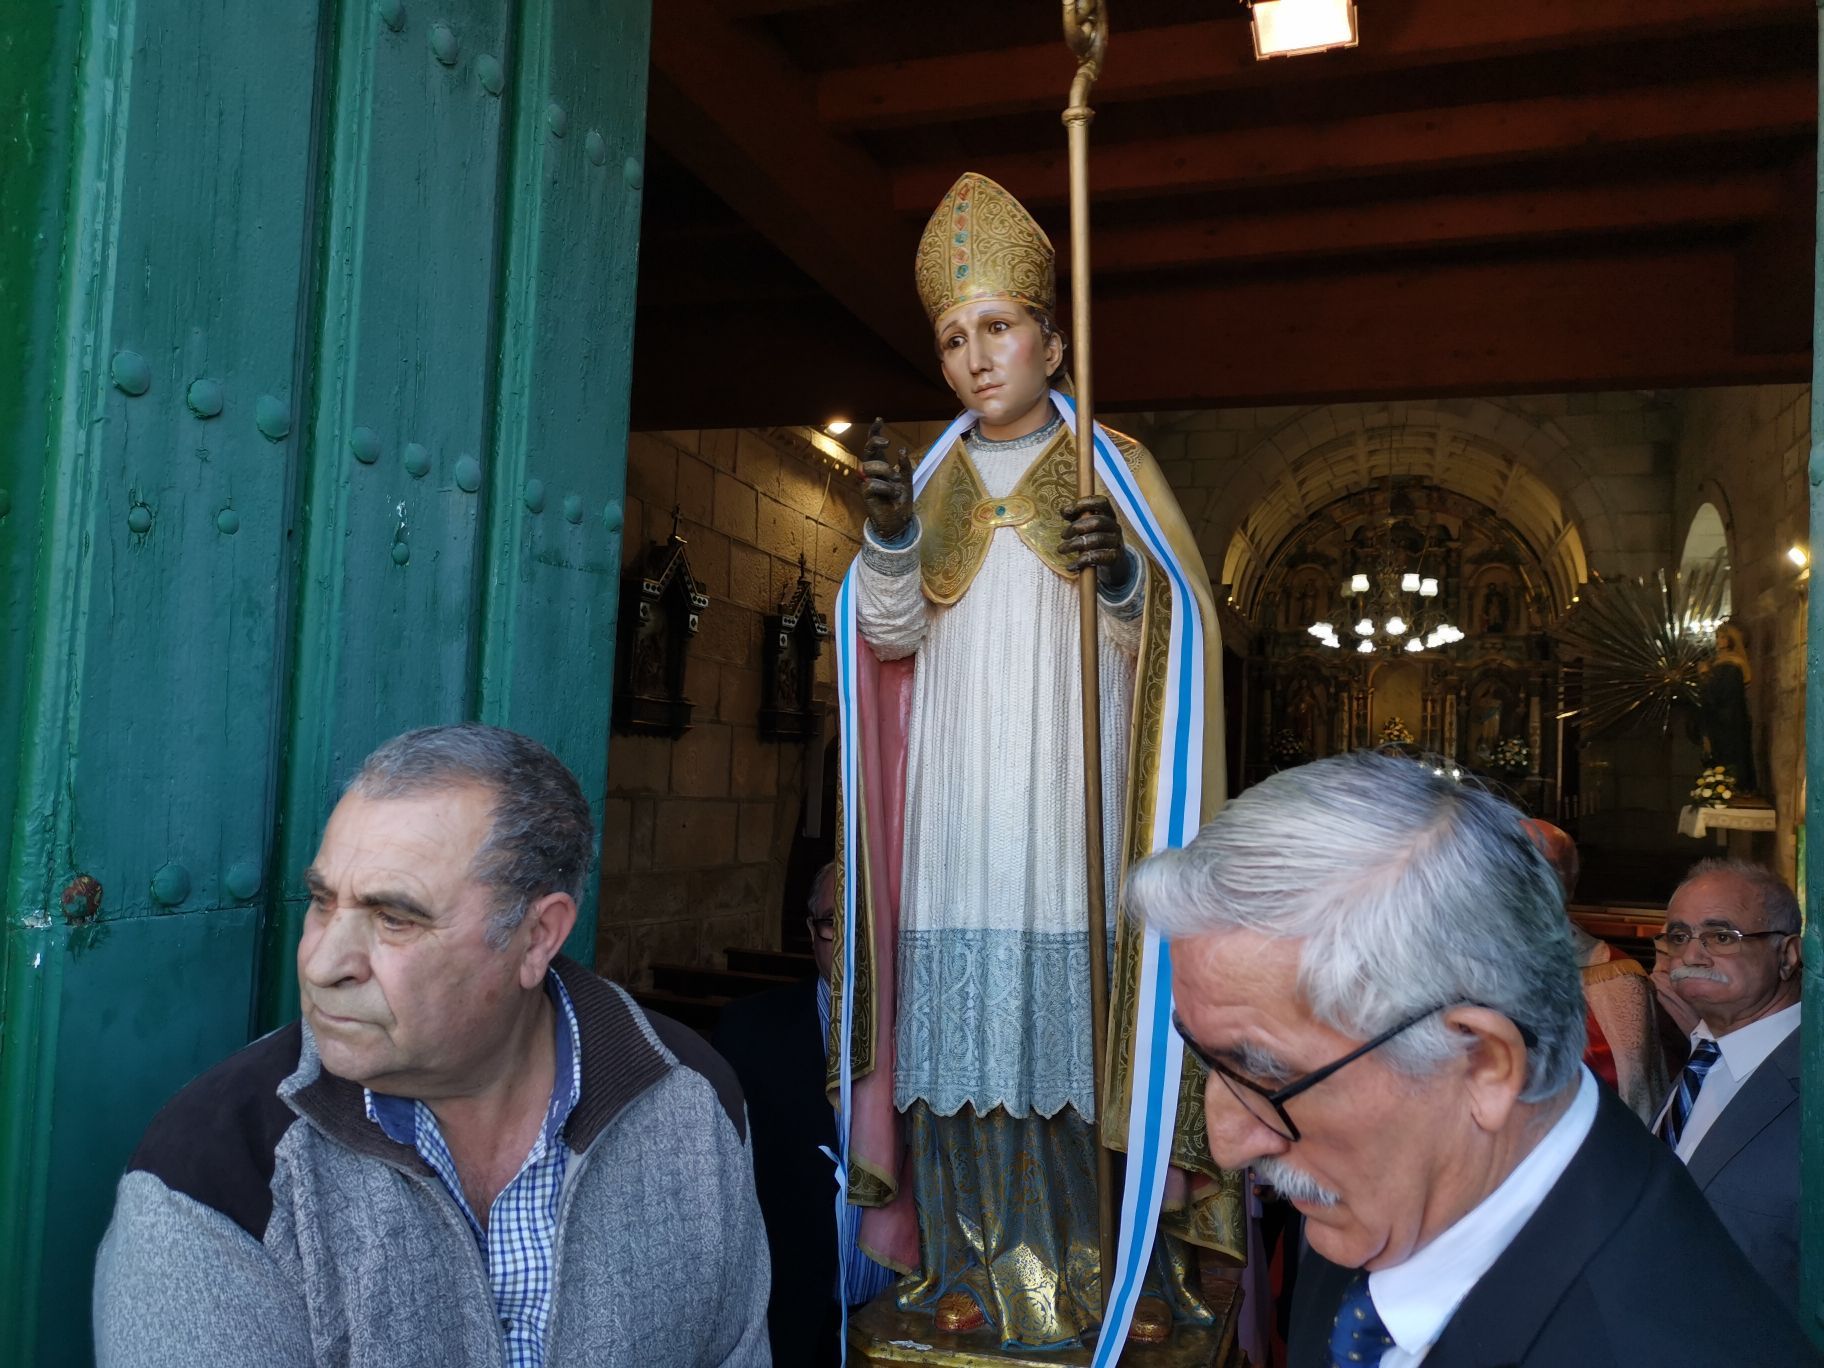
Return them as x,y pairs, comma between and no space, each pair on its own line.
994,1018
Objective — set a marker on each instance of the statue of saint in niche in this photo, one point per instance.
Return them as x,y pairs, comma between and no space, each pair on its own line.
1307,604
1727,731
973,1081
1493,715
1495,608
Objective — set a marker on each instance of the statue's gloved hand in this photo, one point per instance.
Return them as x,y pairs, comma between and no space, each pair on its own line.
1094,538
886,486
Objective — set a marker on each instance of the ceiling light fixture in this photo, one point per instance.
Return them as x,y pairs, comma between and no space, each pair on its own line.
1292,28
1393,603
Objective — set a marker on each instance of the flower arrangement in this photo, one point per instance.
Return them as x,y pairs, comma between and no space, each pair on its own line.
1714,787
1394,733
1510,755
1287,750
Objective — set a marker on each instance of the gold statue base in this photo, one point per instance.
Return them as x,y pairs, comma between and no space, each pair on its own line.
880,1333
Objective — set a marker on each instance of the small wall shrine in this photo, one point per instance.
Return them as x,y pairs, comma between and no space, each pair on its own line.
660,603
794,639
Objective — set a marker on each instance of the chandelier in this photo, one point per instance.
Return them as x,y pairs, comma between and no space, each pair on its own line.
1392,603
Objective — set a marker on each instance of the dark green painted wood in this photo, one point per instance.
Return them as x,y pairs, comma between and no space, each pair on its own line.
497,611
1811,1176
551,594
303,298
150,648
37,79
410,221
38,49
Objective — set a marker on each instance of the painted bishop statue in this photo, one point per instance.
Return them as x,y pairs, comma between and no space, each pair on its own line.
962,1023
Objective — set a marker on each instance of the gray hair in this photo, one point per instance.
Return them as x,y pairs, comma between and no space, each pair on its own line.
1410,891
1778,902
540,835
824,879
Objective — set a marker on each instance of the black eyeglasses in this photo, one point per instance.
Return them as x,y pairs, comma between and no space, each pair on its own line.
824,927
1269,1108
1718,940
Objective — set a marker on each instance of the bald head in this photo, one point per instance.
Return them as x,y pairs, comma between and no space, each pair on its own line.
1560,852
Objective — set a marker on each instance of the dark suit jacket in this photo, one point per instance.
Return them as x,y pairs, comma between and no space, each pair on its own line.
1747,1164
1623,1265
772,1041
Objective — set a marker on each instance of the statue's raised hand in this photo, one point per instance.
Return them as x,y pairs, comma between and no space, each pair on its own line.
886,486
1094,538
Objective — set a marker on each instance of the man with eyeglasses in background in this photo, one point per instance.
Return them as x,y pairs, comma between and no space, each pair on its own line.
1373,961
775,1041
1732,943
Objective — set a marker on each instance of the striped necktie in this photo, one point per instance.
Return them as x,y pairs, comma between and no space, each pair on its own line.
1690,1082
1359,1338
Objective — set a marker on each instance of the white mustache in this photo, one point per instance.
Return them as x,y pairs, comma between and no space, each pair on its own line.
1697,971
1294,1184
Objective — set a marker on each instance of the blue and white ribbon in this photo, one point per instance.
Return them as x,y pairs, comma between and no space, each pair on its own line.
1177,808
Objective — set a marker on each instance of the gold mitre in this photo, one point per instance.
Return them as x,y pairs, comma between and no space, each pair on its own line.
982,244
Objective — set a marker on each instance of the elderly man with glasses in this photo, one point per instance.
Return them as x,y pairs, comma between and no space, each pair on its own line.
1732,944
1373,961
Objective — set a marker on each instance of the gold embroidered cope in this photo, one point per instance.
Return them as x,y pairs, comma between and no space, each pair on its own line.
959,517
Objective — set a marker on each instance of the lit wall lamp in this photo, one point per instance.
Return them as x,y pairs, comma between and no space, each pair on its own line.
1799,557
837,426
1292,28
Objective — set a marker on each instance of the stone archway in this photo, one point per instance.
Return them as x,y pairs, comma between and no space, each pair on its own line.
1594,464
1506,461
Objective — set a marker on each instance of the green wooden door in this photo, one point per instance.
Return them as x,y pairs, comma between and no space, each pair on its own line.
315,337
1811,844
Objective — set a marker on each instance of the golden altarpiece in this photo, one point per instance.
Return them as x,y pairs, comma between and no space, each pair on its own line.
1485,696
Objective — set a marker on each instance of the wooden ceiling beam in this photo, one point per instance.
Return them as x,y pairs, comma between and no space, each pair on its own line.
1591,322
731,108
1426,140
761,9
767,366
1495,218
1215,54
1594,321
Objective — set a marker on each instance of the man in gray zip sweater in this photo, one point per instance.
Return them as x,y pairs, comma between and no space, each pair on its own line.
470,1150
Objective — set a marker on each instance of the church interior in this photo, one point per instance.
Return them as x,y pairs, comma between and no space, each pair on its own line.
383,364
1497,319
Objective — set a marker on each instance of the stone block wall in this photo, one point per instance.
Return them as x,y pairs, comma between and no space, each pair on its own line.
696,830
1744,450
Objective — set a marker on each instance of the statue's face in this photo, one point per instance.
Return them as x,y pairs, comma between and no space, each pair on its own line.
997,361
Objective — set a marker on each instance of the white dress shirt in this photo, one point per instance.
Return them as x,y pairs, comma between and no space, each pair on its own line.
1416,1299
1743,1052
